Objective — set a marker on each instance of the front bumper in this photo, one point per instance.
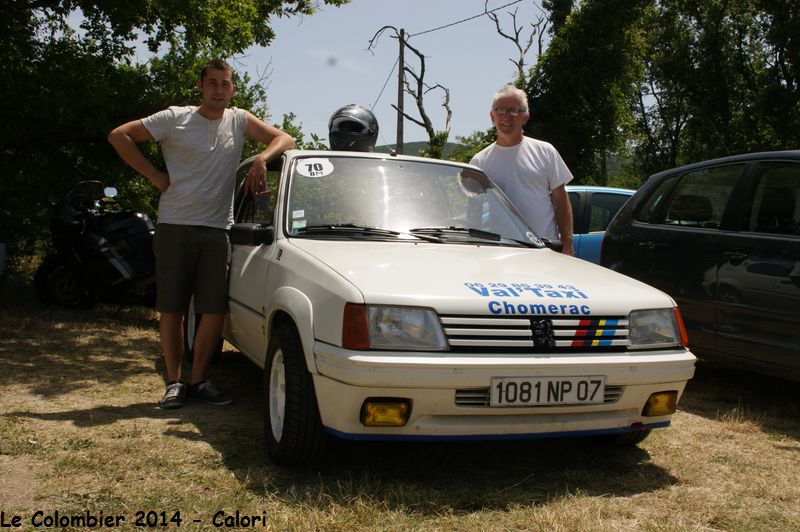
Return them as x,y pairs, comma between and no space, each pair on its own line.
433,381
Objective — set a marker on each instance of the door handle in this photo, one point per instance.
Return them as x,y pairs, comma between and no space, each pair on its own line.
735,256
647,245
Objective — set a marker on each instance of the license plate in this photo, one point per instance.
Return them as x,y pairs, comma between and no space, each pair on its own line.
532,391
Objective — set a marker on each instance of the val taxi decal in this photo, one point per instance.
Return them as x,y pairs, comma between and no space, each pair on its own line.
314,167
504,299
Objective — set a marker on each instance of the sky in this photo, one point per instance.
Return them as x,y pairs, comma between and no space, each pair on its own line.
319,63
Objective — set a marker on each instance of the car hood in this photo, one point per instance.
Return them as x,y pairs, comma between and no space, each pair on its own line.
474,279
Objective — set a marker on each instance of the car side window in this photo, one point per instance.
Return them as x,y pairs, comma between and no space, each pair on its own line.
261,207
575,203
602,209
700,197
651,207
773,204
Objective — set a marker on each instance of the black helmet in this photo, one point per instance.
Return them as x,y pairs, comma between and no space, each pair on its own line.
353,128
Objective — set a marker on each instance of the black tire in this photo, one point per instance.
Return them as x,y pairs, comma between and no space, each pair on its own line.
191,321
292,427
55,282
629,439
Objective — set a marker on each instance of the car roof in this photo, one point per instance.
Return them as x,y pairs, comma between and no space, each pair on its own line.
592,188
763,155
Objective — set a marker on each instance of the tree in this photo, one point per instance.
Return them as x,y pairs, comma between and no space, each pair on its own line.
418,89
472,144
67,88
579,90
720,78
523,44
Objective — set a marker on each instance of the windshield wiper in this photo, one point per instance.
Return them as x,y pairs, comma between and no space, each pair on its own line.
352,229
344,228
453,230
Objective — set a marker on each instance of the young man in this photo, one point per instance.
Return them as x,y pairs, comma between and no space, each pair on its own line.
529,171
202,147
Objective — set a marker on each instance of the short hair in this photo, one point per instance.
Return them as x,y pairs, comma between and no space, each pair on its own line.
217,64
510,90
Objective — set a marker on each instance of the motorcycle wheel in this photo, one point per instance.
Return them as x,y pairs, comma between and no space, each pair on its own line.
55,282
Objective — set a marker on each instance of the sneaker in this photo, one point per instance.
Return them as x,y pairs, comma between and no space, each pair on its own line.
205,391
174,397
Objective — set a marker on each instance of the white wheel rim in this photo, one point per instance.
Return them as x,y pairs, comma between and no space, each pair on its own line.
277,395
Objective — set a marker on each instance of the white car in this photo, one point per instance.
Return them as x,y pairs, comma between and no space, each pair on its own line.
401,298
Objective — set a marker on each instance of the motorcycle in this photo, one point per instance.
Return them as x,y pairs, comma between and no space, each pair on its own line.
98,254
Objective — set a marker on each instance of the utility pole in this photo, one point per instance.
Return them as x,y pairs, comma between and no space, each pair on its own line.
400,93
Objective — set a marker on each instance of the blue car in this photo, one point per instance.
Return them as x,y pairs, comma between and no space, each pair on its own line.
592,211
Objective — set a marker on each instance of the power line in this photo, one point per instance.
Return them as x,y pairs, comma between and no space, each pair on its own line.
466,19
384,84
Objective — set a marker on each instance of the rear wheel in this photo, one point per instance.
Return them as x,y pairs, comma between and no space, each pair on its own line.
55,282
292,425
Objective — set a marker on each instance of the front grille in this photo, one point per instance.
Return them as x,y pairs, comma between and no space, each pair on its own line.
534,334
479,397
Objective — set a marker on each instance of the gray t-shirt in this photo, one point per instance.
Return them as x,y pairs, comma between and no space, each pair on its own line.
201,157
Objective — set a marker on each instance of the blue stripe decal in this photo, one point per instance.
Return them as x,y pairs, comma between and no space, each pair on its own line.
488,437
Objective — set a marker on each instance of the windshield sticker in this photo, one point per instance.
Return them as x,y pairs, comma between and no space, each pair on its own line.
565,292
314,167
300,213
298,224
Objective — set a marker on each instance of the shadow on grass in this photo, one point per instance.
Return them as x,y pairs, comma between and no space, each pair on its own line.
770,403
425,478
54,352
57,351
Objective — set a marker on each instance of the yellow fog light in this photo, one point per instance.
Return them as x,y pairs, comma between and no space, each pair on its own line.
385,412
661,404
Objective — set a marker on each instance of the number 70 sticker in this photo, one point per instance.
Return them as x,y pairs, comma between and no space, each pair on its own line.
314,167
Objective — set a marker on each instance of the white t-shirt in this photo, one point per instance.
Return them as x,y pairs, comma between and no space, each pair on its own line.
526,173
201,157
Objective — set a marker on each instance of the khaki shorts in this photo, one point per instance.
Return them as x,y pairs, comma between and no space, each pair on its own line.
192,260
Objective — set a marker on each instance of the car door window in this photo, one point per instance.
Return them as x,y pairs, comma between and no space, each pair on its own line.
698,200
261,207
575,202
602,209
773,201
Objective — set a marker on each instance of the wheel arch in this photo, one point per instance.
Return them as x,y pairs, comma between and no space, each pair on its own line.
289,305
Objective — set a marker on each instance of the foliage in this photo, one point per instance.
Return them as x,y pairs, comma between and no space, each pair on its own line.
721,78
578,91
472,144
296,131
71,87
666,82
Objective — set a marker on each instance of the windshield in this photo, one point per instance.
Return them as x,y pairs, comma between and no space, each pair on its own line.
354,194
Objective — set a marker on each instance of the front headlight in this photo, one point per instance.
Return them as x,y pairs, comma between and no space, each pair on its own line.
399,328
656,328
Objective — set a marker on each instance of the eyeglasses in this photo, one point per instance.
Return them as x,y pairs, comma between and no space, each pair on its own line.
499,111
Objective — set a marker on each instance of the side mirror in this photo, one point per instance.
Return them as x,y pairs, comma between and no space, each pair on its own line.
251,234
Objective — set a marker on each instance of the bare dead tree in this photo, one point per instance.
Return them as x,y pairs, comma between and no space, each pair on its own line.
416,87
523,45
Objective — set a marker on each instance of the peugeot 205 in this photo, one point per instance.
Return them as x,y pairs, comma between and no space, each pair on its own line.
401,298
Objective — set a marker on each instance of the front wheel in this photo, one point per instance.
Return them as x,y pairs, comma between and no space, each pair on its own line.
55,282
292,425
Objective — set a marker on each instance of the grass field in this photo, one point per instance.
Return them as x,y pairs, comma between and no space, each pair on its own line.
79,432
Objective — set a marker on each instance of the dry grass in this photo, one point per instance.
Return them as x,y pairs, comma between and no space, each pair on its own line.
80,432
